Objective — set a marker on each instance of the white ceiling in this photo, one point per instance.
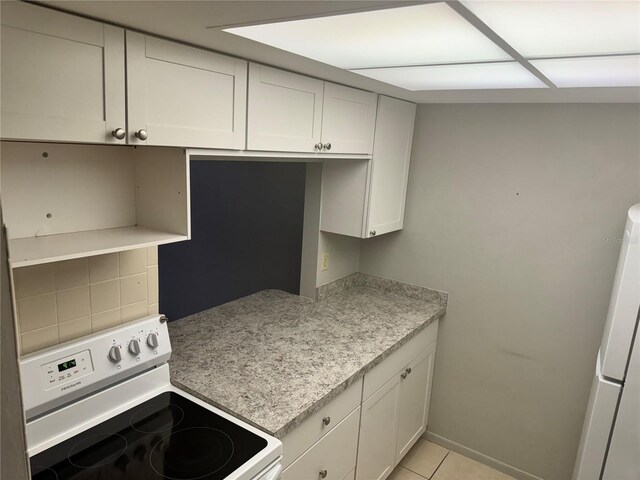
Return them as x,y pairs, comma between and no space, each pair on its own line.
200,23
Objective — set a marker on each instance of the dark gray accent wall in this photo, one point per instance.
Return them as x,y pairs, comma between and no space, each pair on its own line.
246,226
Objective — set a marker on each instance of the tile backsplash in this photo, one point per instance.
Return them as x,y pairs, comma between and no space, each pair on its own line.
61,301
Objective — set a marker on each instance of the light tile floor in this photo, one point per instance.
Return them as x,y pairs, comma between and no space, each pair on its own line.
431,461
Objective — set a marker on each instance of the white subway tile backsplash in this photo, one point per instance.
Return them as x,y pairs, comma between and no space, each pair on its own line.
34,280
71,273
103,268
37,312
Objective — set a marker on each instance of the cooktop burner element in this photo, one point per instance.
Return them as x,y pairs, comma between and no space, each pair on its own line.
168,437
97,450
192,453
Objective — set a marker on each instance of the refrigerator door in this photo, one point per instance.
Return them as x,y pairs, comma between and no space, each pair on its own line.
625,301
623,460
600,415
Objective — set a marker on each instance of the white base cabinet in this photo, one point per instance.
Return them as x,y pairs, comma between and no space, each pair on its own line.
388,414
333,457
365,198
378,432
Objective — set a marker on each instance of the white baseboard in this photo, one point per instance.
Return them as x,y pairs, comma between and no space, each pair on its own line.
480,457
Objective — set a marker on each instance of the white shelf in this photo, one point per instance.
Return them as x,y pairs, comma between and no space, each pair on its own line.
66,246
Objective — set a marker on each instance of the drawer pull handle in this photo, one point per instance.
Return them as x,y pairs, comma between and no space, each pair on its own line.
326,421
323,473
403,375
408,370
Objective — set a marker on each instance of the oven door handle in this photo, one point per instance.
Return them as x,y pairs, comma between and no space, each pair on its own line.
273,474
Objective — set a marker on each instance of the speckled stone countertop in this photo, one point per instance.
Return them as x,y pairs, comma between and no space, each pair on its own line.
273,358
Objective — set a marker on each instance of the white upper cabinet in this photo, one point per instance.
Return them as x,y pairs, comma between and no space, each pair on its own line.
293,113
184,96
365,198
348,119
390,166
285,110
63,77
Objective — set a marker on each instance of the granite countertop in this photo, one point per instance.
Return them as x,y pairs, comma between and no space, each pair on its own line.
273,358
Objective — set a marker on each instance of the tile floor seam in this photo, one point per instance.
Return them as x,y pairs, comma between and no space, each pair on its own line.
419,474
440,464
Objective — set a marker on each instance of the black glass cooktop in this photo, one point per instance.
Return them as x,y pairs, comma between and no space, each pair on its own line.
167,437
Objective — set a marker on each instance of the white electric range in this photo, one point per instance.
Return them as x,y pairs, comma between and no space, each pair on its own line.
103,407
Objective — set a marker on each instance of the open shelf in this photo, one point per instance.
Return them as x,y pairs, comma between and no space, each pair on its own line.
66,246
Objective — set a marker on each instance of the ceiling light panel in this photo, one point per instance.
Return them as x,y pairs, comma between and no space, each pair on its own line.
563,28
503,75
417,35
618,71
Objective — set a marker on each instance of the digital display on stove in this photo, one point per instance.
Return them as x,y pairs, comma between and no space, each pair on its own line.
166,437
66,365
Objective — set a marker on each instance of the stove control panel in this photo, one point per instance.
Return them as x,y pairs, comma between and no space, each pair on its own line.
68,371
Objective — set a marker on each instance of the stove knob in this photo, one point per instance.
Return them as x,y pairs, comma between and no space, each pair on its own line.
114,354
134,347
152,340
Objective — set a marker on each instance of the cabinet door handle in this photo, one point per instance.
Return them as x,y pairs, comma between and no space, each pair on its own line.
372,233
119,133
142,134
323,473
403,375
408,370
327,146
318,146
326,420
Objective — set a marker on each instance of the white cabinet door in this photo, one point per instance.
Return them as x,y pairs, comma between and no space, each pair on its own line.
348,119
184,96
378,432
62,76
285,110
390,166
333,457
415,393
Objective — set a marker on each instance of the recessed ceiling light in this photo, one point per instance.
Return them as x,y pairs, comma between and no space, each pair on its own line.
617,71
457,77
563,28
425,34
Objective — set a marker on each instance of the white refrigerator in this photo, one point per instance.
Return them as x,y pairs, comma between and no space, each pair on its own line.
610,443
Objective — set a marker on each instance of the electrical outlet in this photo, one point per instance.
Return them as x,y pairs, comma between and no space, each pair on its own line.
325,262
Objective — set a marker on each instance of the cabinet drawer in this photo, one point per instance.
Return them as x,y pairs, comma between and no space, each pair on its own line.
335,454
398,360
313,428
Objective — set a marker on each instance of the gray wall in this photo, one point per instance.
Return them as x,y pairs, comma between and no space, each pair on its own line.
508,209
